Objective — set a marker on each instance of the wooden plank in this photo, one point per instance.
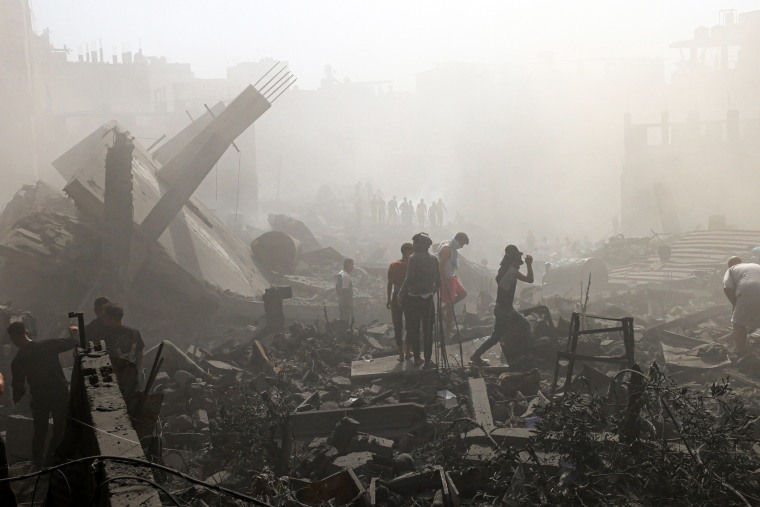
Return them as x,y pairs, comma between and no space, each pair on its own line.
390,366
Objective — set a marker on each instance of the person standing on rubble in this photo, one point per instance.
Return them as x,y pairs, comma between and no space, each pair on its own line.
125,349
422,213
7,497
416,297
396,276
741,284
380,203
372,200
37,364
344,286
509,322
440,209
392,210
96,328
452,290
407,212
432,214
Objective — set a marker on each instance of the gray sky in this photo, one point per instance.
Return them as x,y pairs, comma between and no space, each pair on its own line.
369,41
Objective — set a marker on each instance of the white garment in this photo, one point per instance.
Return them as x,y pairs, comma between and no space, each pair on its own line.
744,279
345,279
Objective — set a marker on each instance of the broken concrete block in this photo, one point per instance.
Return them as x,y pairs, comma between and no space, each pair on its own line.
221,368
207,404
189,440
18,438
200,418
356,461
162,379
404,463
525,382
383,420
183,378
378,331
342,488
344,432
181,424
313,402
341,381
480,405
373,444
447,399
198,389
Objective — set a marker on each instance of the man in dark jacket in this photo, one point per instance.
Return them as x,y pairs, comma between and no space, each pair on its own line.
95,329
416,297
37,364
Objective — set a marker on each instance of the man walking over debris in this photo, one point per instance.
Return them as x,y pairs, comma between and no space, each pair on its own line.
741,284
396,276
509,322
416,297
95,329
37,364
344,286
452,290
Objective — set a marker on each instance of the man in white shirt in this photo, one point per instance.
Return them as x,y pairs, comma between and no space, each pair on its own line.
741,284
345,288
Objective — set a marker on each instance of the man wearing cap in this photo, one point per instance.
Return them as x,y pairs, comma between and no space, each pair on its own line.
509,322
741,284
452,290
416,297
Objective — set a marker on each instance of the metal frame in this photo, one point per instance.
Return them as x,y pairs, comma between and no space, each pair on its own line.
627,359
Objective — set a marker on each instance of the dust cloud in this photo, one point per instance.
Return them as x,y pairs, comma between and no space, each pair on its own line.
529,137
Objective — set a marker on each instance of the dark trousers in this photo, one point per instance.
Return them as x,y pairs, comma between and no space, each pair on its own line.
513,327
397,317
419,312
41,410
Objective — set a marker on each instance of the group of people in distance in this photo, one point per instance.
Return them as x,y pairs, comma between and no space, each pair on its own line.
394,212
37,364
418,275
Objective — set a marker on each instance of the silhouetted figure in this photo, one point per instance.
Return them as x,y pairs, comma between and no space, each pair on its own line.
422,213
452,290
37,364
95,329
509,322
392,210
396,276
416,297
344,287
440,210
741,284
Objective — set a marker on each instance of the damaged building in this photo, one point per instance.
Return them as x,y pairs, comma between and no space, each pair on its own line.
627,387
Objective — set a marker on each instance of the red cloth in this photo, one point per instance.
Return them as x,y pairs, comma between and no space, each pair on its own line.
452,287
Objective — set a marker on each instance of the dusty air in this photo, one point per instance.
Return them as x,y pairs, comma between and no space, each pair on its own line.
379,254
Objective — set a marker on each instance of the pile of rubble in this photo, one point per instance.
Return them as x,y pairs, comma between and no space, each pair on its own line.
281,417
